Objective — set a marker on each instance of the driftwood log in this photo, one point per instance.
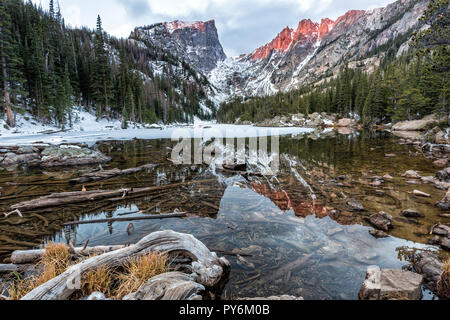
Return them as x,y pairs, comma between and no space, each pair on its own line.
207,267
30,256
108,174
67,198
169,286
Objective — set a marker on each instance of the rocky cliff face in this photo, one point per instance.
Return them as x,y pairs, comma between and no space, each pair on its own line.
309,53
197,43
315,51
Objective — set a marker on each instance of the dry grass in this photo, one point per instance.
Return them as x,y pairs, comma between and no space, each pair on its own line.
443,285
138,271
54,262
100,279
447,267
114,283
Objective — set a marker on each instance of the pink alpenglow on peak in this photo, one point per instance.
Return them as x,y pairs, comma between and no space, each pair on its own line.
306,30
177,24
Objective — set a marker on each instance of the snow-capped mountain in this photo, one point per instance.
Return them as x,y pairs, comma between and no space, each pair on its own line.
308,53
196,42
316,50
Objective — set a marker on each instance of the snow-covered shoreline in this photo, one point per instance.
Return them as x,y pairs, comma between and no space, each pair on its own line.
88,130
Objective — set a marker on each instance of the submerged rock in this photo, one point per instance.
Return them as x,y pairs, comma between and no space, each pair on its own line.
381,220
409,213
411,174
354,205
440,162
388,284
378,233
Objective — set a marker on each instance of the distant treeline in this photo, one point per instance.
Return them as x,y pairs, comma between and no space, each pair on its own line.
47,68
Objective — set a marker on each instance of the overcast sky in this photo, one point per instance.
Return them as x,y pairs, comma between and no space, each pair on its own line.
243,25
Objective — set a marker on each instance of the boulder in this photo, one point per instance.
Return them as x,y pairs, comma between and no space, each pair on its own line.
71,156
354,205
429,265
440,230
381,220
11,159
346,122
388,284
388,177
414,125
410,213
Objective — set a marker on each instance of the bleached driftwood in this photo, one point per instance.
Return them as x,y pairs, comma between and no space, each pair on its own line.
67,198
169,286
108,174
208,268
30,256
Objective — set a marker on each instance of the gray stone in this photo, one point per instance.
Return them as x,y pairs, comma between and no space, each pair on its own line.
430,266
441,230
378,233
354,205
381,220
71,156
388,284
445,244
411,174
410,213
444,204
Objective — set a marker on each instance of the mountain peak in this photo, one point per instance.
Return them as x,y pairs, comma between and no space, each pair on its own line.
196,25
306,30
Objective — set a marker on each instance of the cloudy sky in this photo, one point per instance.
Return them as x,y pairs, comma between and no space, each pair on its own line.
243,25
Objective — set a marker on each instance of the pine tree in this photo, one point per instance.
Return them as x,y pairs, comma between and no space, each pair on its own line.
11,63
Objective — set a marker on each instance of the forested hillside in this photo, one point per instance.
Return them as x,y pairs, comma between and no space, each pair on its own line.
408,86
48,69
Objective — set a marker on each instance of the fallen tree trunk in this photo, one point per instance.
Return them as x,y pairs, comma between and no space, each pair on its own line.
30,256
110,220
208,268
66,198
108,174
